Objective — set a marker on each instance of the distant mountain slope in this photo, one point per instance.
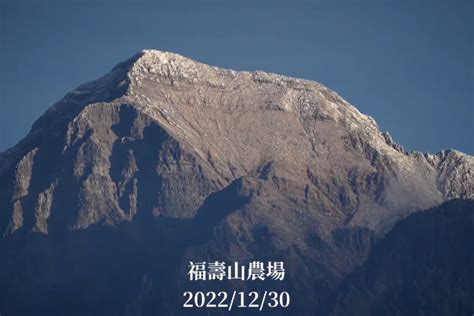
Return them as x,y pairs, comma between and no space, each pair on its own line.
424,266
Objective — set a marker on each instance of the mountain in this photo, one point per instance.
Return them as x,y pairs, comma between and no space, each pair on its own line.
166,160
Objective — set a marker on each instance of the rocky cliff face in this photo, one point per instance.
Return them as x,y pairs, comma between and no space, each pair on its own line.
247,163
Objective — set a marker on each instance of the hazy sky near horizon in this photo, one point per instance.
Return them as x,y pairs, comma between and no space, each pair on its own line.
408,64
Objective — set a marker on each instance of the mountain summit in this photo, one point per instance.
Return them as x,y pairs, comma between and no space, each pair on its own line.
250,162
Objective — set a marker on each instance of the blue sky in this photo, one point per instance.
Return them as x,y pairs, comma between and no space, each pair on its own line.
409,64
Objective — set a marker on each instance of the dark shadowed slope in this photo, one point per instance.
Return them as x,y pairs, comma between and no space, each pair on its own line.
424,266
